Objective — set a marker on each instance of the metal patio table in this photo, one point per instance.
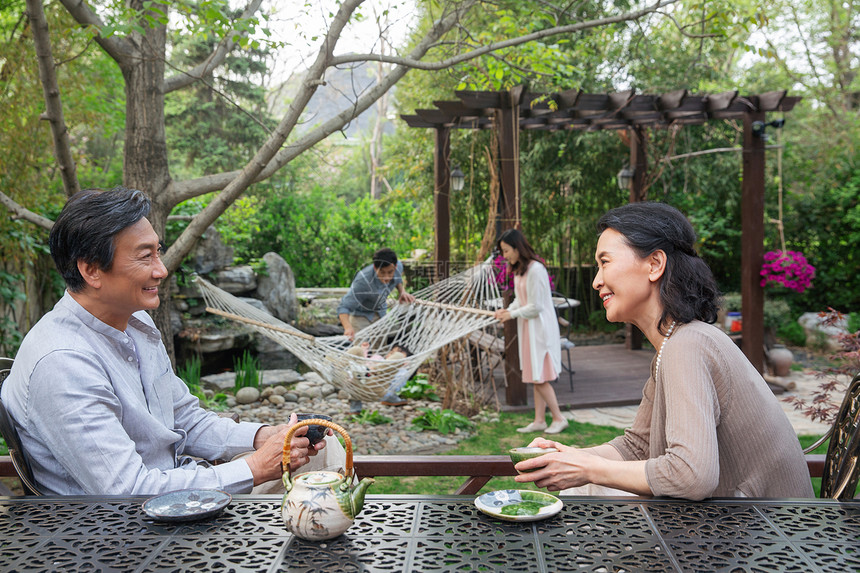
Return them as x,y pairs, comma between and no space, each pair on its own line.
437,533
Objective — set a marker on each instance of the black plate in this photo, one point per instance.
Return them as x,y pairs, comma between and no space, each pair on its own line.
187,504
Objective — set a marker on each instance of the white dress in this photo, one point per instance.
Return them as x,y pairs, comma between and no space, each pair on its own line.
538,317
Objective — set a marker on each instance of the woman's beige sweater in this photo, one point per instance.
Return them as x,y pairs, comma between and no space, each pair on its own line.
709,426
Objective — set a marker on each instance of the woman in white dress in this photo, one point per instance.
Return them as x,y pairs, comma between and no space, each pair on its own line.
537,329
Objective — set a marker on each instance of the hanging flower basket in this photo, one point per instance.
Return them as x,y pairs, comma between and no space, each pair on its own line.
787,268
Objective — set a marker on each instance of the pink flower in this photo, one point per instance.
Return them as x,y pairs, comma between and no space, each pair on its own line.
789,268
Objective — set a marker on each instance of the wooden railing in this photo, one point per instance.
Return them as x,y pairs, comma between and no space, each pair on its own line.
477,469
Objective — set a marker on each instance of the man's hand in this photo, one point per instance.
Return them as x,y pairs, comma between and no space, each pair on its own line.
406,298
348,329
265,462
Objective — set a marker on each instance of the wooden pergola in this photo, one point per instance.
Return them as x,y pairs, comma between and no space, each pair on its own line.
511,111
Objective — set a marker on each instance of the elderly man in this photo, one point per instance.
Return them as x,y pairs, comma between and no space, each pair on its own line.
92,390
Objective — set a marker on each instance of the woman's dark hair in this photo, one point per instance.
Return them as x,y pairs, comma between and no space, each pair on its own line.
517,241
384,257
688,289
86,228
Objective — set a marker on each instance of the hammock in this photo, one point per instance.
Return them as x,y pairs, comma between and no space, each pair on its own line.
441,314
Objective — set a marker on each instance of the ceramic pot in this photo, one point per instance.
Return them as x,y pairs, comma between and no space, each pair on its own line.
780,359
320,505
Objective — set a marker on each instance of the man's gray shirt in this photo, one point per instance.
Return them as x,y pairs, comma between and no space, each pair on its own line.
100,411
367,294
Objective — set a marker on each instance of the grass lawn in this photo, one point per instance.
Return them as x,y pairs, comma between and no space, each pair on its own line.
497,438
493,438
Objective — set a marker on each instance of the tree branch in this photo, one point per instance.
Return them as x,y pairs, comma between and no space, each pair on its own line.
183,190
681,29
51,90
213,60
252,170
539,35
24,213
117,48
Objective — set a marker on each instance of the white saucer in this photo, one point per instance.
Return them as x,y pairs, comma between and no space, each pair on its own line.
493,503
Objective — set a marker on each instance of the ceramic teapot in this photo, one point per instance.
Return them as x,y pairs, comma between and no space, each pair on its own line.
320,505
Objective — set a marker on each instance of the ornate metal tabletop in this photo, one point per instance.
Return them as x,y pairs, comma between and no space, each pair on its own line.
427,533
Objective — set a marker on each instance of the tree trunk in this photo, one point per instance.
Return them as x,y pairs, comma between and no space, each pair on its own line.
145,164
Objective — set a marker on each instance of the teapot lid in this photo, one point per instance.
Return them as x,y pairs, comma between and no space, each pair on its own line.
319,478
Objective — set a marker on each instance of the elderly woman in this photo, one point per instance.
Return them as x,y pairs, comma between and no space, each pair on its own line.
708,425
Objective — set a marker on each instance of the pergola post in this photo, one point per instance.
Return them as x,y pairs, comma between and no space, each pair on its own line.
509,160
509,174
441,201
638,192
752,242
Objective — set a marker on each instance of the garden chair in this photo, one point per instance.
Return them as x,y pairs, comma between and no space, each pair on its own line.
564,314
841,466
13,442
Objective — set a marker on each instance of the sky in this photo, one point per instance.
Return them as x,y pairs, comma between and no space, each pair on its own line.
303,24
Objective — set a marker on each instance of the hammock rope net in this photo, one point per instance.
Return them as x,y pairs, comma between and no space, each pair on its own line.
441,314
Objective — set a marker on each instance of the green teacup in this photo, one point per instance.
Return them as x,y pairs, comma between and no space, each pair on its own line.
527,453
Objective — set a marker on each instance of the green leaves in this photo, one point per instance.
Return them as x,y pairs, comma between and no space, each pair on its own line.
369,417
247,369
419,388
442,421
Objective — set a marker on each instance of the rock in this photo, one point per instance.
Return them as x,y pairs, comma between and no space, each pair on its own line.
175,319
818,334
323,330
314,378
327,389
219,382
276,400
236,280
279,390
266,393
247,395
221,341
277,290
256,303
211,253
307,389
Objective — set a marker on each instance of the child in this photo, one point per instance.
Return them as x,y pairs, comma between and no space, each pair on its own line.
399,378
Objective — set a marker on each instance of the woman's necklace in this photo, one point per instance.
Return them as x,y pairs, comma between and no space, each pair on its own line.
660,353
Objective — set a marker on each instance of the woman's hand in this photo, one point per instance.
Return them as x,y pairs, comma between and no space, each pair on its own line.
502,315
569,467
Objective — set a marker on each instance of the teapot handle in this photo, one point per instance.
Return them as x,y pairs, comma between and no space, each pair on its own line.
285,460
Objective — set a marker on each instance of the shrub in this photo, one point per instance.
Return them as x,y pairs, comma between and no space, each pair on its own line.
190,373
442,421
419,388
366,417
845,364
792,333
854,322
597,321
247,369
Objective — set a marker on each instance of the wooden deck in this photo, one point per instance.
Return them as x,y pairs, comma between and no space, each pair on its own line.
606,375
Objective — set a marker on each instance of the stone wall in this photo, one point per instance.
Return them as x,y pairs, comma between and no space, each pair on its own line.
218,340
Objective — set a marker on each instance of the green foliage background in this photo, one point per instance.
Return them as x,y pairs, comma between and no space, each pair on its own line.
316,213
